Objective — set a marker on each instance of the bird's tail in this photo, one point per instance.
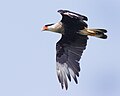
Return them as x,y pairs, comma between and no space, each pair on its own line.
100,33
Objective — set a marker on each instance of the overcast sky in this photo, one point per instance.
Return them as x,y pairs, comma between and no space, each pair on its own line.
27,55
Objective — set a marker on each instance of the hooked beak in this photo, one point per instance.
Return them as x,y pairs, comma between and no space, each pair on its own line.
44,28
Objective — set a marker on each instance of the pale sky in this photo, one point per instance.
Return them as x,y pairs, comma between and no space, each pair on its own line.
27,55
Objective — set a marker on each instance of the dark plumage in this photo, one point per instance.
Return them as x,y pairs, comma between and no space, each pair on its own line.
70,47
68,54
73,42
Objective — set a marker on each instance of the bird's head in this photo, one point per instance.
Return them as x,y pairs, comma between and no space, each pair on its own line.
48,27
55,27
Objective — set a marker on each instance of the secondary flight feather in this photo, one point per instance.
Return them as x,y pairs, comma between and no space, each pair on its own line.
73,42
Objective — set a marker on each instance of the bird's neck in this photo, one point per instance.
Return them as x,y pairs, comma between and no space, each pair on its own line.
57,27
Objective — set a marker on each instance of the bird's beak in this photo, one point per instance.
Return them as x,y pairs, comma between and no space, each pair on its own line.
44,28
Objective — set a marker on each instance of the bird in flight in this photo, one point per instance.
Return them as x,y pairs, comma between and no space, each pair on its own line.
73,42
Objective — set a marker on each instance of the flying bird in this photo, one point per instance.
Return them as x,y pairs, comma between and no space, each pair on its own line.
73,42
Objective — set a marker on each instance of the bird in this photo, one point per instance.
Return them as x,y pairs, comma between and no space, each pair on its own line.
69,49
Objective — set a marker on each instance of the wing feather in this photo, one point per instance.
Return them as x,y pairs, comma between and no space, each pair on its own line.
72,20
69,52
73,14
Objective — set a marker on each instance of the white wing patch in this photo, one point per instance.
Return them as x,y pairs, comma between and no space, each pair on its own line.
70,14
64,71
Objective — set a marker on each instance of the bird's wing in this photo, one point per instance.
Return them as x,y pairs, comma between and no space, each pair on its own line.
69,50
71,18
73,14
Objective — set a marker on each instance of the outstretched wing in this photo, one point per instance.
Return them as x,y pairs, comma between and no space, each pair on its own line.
69,51
73,20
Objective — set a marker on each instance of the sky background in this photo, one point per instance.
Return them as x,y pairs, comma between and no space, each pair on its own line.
27,55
